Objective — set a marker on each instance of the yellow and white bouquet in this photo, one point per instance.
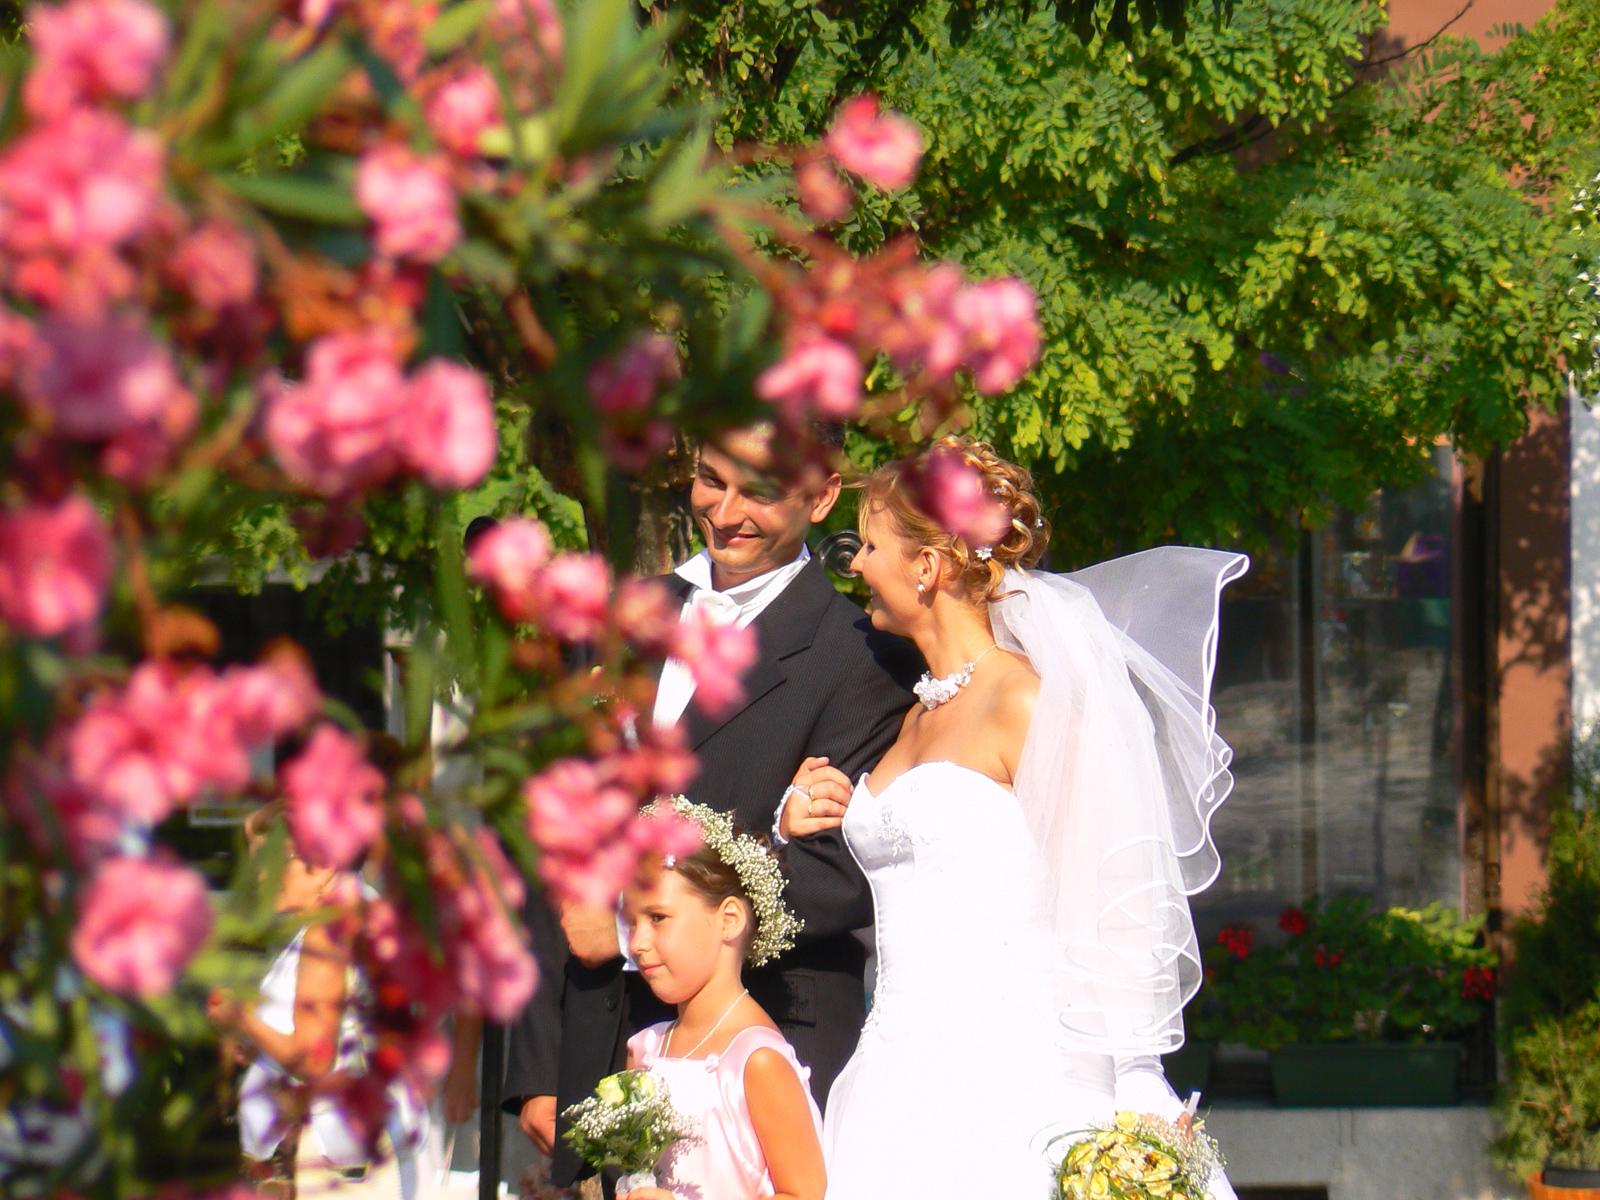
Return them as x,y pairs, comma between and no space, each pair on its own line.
628,1123
1137,1157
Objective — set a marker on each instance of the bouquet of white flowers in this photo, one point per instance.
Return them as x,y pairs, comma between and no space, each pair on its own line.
1138,1157
628,1123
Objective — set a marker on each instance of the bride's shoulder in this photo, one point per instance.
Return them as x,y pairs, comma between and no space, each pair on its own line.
1014,691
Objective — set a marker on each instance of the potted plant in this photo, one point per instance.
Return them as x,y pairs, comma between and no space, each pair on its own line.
1549,1097
1355,1005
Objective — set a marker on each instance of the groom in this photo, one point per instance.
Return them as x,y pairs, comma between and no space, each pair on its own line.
823,683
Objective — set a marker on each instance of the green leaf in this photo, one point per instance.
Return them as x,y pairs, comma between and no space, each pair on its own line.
299,196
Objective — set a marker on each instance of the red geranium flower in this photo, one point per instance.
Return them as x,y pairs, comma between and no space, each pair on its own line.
1477,983
1292,921
1236,939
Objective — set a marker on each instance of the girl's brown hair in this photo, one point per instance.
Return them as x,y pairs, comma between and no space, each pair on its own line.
892,489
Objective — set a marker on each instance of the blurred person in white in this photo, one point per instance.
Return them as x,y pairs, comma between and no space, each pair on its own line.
303,1028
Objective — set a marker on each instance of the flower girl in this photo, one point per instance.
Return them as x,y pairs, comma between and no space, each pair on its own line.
695,921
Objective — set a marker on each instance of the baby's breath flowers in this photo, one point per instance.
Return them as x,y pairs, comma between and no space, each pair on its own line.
758,871
1137,1157
628,1123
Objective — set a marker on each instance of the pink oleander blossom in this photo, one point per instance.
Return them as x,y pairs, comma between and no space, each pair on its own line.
572,810
55,565
953,494
410,202
628,383
272,698
156,743
96,379
46,802
335,432
882,148
86,51
647,614
818,376
717,654
823,195
140,923
82,181
463,108
448,434
574,596
999,321
216,264
508,560
333,798
494,971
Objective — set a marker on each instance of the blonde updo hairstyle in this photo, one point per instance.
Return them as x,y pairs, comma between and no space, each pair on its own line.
892,489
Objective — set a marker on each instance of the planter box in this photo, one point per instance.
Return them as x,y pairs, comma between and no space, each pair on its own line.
1558,1184
1188,1068
1361,1074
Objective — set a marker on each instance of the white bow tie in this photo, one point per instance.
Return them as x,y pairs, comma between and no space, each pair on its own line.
721,608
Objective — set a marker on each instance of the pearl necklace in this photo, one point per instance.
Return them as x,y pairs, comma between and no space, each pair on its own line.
934,692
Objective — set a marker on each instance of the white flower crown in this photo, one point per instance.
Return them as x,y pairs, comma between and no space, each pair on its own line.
756,867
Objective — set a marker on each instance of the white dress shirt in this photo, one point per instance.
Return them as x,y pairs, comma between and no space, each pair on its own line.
737,605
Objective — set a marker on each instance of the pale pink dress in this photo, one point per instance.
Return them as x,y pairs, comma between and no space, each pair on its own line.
725,1162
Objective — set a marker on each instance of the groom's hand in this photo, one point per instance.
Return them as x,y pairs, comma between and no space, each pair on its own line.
816,800
591,933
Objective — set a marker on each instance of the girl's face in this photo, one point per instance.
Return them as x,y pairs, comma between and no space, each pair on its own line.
888,563
678,938
303,887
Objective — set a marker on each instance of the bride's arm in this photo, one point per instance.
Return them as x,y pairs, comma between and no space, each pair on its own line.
1142,1087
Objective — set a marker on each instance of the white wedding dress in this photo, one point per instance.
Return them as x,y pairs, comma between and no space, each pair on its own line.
957,1082
1035,948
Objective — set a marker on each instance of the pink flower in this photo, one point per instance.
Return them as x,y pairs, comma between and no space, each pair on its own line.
628,382
140,922
81,181
494,972
571,810
508,559
574,593
922,331
717,655
410,201
269,700
819,375
333,797
335,432
463,108
216,264
1000,322
647,614
822,193
95,379
85,51
882,148
55,563
156,744
47,802
448,434
952,493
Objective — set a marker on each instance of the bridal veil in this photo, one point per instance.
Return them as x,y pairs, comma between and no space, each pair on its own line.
1119,778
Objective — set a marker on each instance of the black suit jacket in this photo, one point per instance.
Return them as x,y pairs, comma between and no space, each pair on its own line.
824,682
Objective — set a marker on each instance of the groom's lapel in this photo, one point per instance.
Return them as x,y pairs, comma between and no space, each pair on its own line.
785,627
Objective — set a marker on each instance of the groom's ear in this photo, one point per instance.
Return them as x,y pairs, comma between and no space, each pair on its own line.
822,504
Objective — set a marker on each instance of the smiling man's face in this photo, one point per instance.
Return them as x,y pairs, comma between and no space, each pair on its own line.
752,523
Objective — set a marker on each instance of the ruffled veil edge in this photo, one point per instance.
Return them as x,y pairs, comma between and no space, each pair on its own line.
1119,779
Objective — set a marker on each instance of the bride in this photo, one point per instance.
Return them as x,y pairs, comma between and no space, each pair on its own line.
1031,840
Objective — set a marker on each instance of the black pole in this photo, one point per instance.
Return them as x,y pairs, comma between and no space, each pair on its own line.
492,1073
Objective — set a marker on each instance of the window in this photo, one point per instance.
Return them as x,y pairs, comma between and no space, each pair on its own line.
1338,687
